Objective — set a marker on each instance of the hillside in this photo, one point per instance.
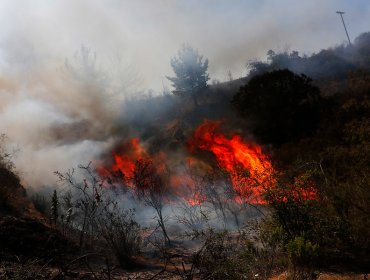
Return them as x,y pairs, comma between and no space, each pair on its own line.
261,175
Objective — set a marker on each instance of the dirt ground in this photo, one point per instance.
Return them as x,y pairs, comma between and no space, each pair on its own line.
29,249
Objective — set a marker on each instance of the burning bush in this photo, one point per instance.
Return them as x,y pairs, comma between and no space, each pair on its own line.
245,163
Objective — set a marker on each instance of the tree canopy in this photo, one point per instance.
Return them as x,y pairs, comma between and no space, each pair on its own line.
191,73
279,106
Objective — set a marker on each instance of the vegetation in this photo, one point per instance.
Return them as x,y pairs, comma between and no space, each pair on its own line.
326,65
315,211
280,106
191,73
96,215
152,188
12,194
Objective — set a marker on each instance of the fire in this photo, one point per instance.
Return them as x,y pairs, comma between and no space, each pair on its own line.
124,161
196,199
237,158
248,168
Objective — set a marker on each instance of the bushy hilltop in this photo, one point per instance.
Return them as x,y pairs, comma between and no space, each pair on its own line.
333,70
328,64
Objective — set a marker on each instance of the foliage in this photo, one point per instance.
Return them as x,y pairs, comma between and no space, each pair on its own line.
191,73
329,64
301,226
280,106
333,226
302,251
346,162
121,233
97,217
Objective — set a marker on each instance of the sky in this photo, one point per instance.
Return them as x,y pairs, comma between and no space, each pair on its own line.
131,43
145,34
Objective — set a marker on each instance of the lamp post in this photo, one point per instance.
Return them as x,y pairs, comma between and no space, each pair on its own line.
345,28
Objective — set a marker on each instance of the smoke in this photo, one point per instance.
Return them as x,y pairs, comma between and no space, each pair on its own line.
60,102
147,33
55,119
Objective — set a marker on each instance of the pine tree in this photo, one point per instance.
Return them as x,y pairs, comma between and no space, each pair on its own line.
191,73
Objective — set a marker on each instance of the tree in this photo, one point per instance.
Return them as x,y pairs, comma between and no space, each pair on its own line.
152,188
191,73
280,106
84,68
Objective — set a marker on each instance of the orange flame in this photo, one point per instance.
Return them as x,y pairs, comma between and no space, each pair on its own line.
235,157
250,170
126,163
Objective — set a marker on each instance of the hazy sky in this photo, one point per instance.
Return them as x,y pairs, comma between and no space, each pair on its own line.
58,123
146,33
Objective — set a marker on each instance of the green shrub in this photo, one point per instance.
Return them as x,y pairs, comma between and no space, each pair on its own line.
302,251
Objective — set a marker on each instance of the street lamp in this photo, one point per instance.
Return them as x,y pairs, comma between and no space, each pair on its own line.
345,28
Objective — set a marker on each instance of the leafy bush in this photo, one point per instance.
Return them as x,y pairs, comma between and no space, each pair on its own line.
302,251
301,225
